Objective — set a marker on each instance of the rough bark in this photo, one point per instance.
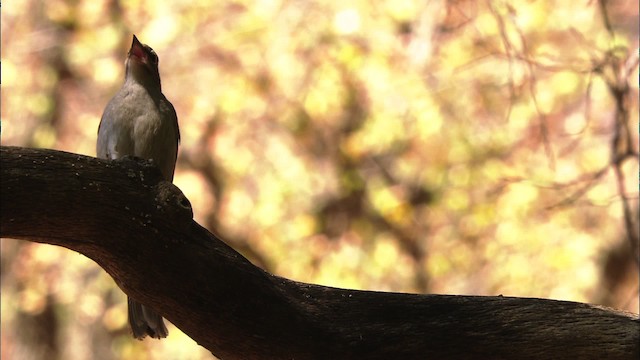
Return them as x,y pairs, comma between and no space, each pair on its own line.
139,228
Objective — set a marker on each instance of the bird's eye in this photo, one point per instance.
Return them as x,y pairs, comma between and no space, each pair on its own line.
152,55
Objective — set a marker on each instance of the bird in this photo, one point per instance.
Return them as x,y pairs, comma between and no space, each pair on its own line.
139,121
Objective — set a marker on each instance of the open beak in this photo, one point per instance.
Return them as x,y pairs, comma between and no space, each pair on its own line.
137,50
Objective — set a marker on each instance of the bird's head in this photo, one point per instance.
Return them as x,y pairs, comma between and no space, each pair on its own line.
142,65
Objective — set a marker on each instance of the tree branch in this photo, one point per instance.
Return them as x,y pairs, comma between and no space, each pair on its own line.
140,230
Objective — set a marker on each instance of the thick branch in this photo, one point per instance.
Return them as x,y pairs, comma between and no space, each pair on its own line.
140,230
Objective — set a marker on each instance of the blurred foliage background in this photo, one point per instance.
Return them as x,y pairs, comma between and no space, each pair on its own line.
458,147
